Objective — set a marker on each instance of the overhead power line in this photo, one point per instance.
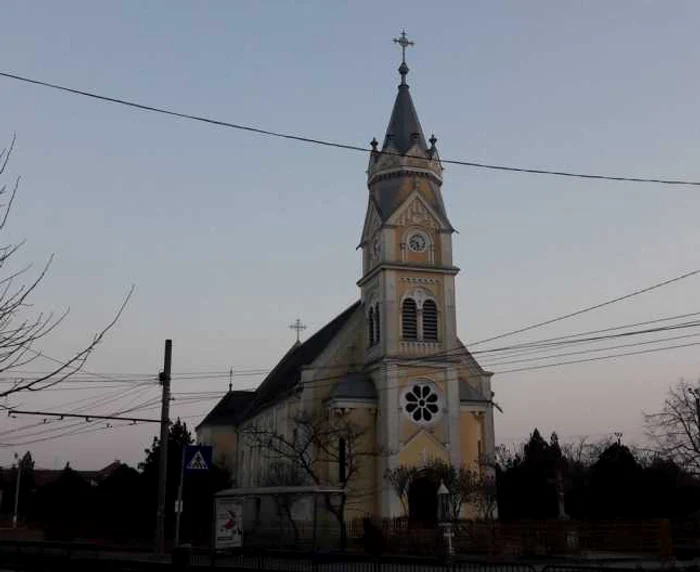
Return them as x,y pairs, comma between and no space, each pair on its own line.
338,145
87,417
611,356
588,308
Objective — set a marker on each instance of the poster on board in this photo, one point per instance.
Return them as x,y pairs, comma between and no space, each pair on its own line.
229,524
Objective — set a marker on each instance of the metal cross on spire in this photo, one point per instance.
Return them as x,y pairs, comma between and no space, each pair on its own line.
404,42
298,327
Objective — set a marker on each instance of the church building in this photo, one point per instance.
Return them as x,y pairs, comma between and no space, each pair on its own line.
392,362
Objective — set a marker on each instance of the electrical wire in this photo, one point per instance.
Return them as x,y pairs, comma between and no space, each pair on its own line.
588,308
559,364
594,350
334,144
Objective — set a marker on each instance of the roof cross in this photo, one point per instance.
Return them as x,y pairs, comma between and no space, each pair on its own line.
404,42
298,327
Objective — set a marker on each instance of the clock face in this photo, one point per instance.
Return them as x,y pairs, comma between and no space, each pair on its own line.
417,242
376,247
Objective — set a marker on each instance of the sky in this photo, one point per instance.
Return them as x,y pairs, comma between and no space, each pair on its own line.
229,236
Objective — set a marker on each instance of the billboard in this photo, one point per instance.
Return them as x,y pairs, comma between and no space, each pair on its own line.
228,528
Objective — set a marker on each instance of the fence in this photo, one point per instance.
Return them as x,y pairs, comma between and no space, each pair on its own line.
526,538
48,556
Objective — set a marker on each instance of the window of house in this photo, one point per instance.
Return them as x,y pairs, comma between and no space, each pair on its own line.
430,321
371,326
409,319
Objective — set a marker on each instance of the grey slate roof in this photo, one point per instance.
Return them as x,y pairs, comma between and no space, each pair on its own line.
467,394
287,373
404,123
389,194
355,386
230,410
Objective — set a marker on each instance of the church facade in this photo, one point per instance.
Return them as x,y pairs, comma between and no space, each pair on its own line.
392,363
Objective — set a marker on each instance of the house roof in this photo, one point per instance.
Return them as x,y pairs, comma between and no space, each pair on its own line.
404,127
287,373
229,410
355,386
468,394
472,364
389,194
43,477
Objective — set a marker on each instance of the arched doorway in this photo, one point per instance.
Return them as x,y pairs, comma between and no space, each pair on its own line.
422,501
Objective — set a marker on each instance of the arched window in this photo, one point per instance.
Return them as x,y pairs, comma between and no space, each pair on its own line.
409,319
430,321
371,326
377,329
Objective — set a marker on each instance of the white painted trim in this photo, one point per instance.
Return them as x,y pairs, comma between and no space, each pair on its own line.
423,431
441,402
415,194
352,403
473,406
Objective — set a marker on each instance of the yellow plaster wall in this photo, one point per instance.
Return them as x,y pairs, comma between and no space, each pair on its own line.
412,453
408,376
470,434
401,235
403,286
363,493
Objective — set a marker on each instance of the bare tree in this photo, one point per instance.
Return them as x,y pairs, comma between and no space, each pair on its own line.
283,474
20,332
463,484
325,450
400,480
675,430
486,497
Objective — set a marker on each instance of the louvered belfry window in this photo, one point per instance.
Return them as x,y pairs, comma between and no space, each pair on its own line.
371,327
430,321
409,319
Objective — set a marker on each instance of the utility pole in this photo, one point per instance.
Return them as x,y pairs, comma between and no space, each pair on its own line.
15,514
178,502
164,377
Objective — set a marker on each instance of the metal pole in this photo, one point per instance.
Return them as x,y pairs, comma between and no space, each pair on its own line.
315,521
164,430
15,514
179,497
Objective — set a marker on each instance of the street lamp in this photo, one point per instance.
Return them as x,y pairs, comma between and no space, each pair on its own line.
443,495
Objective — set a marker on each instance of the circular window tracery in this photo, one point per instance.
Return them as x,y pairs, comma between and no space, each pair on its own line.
422,403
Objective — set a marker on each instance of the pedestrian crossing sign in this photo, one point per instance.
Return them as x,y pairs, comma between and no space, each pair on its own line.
197,458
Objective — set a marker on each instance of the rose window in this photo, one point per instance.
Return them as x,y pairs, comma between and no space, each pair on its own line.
421,403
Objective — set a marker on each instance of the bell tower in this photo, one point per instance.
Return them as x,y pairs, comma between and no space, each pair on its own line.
408,276
412,352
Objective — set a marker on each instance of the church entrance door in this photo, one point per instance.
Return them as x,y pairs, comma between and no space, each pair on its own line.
422,502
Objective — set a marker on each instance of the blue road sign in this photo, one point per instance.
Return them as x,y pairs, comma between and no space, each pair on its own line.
197,458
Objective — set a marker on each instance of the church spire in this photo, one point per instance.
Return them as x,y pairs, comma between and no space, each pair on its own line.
404,128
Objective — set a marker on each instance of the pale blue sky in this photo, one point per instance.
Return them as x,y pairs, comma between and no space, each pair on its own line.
229,236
